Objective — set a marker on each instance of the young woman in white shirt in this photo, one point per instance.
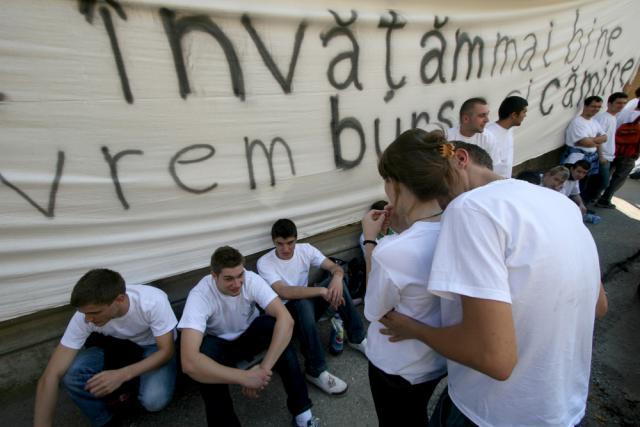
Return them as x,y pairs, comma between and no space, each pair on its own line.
403,375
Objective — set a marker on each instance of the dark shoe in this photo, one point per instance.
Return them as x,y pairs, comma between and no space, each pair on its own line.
607,205
635,175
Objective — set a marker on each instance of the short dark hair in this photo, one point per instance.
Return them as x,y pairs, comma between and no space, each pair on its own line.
638,92
416,159
530,176
478,155
616,95
584,164
510,105
283,228
99,286
591,99
467,106
379,205
225,257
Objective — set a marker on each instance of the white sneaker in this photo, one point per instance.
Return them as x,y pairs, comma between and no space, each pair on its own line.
328,383
361,346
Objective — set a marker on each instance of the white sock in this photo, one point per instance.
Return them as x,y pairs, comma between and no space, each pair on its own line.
303,418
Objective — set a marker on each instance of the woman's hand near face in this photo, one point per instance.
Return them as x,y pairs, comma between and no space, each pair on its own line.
372,223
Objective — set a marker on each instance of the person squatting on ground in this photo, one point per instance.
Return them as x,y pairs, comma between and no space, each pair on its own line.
403,375
221,326
555,178
286,269
517,318
139,314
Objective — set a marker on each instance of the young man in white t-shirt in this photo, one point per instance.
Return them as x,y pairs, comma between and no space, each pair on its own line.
517,318
286,269
221,326
474,116
571,187
139,314
511,113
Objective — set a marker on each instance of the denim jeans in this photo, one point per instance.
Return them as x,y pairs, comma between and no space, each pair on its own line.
447,414
154,393
622,167
257,337
306,313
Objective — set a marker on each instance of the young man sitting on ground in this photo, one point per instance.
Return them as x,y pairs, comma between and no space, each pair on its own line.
286,269
221,326
140,314
571,187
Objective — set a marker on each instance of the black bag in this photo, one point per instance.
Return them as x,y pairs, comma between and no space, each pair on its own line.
354,275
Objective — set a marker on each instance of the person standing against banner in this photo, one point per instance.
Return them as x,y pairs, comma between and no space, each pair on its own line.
139,314
403,375
517,318
474,115
607,121
583,138
512,112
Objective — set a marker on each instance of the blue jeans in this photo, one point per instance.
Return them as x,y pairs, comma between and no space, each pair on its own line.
306,313
447,414
255,339
154,393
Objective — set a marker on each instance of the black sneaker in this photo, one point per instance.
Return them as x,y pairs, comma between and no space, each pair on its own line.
606,205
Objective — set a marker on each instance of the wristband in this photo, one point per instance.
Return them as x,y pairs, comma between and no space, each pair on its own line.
373,242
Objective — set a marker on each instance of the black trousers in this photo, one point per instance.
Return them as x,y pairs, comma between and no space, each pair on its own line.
397,401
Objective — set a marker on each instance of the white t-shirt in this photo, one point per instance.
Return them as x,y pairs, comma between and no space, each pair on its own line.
213,313
631,105
508,241
580,128
627,116
608,124
294,271
400,267
483,140
149,316
504,143
570,187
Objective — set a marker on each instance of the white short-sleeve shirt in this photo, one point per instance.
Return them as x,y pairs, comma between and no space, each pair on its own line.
580,128
508,241
504,147
293,271
149,316
400,267
607,122
571,187
484,140
211,312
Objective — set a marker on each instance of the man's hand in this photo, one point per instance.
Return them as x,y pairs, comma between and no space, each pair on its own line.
334,293
399,327
256,378
251,393
105,382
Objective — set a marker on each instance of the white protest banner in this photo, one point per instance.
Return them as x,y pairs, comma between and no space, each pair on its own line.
141,135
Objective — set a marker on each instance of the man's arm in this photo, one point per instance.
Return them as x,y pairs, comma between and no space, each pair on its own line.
47,390
281,333
602,306
335,286
589,142
578,201
107,381
203,369
485,340
287,292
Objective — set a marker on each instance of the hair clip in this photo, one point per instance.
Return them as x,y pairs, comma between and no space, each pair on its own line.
447,150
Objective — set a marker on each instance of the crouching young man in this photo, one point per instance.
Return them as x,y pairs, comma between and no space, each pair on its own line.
286,269
221,326
139,314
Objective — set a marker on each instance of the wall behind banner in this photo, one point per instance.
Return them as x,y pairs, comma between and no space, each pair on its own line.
140,136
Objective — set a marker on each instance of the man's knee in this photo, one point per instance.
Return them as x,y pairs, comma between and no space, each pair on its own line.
156,398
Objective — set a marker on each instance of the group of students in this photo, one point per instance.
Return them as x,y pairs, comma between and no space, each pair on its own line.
602,148
472,284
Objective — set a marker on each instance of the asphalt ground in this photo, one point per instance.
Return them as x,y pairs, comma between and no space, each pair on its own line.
615,384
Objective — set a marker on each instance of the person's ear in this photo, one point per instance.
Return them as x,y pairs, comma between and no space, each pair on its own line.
461,157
